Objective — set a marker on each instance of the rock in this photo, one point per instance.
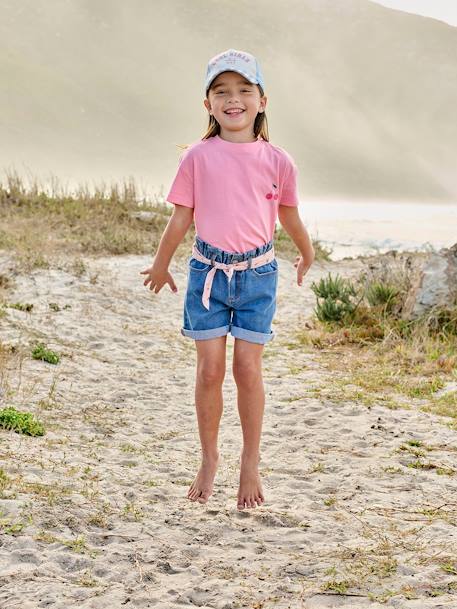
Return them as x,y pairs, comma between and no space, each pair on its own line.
434,284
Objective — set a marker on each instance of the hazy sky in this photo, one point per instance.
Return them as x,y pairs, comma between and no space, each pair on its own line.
444,10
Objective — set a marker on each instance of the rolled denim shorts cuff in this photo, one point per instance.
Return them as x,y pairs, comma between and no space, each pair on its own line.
206,334
254,337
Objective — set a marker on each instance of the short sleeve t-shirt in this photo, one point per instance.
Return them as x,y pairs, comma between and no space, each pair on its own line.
235,190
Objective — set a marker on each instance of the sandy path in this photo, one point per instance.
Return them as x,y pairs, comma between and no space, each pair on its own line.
122,448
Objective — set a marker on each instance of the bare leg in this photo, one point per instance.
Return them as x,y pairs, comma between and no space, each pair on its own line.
247,372
209,405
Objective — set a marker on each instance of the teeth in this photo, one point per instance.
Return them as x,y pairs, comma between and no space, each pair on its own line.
234,111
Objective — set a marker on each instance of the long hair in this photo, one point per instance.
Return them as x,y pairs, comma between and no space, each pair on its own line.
260,124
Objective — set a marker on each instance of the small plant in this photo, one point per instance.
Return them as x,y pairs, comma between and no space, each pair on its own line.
421,465
340,587
382,597
5,481
414,443
21,306
87,580
77,545
445,471
40,351
335,293
316,467
449,568
330,501
379,293
55,307
78,267
20,422
132,510
9,528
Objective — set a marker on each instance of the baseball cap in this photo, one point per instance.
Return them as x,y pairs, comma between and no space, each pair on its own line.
234,61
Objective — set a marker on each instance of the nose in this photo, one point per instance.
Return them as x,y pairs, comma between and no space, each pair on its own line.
233,96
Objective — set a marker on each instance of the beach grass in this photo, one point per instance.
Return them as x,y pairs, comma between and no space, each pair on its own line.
375,353
40,222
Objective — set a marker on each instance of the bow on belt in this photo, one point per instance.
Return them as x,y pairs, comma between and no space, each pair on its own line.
228,269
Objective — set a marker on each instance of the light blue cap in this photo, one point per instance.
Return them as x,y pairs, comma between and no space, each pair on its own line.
234,61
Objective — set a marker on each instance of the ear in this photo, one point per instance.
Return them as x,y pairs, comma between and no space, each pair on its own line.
207,105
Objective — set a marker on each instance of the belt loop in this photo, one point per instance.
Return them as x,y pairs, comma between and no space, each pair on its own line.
213,257
249,263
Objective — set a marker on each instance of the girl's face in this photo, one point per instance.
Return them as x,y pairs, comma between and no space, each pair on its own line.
230,91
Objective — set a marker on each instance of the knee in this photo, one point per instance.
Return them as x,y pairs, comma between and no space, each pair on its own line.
247,373
209,373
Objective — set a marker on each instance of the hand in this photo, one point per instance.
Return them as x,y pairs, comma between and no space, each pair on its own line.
301,267
158,278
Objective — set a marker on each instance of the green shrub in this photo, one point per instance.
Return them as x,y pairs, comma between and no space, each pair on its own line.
20,422
335,294
40,351
379,293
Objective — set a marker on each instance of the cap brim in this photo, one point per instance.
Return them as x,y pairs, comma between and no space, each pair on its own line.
255,82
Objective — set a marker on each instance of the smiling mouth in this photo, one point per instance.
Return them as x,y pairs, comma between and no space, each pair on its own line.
233,112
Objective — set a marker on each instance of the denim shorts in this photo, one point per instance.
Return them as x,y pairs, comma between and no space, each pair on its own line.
245,306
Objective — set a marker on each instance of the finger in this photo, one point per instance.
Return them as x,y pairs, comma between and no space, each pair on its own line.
172,285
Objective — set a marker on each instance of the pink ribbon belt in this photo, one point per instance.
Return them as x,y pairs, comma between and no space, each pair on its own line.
228,269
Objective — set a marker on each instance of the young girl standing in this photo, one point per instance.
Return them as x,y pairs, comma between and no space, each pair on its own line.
233,184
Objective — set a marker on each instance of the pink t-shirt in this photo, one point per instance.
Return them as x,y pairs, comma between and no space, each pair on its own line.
235,190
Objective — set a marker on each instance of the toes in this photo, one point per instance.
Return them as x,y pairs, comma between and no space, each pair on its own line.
204,496
250,502
196,494
192,494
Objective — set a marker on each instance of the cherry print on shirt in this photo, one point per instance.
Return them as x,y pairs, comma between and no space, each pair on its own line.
270,195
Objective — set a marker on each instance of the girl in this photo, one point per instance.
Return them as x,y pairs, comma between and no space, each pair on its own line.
233,184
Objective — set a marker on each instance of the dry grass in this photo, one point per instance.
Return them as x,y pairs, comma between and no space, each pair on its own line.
40,222
378,357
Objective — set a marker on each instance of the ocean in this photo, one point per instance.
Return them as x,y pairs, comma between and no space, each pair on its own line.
351,229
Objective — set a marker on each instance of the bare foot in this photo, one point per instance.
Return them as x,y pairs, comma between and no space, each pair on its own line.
202,487
250,491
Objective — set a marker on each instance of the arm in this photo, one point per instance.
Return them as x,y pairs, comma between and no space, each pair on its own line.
294,227
174,233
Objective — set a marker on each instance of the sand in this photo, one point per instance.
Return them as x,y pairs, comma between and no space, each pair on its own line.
109,525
